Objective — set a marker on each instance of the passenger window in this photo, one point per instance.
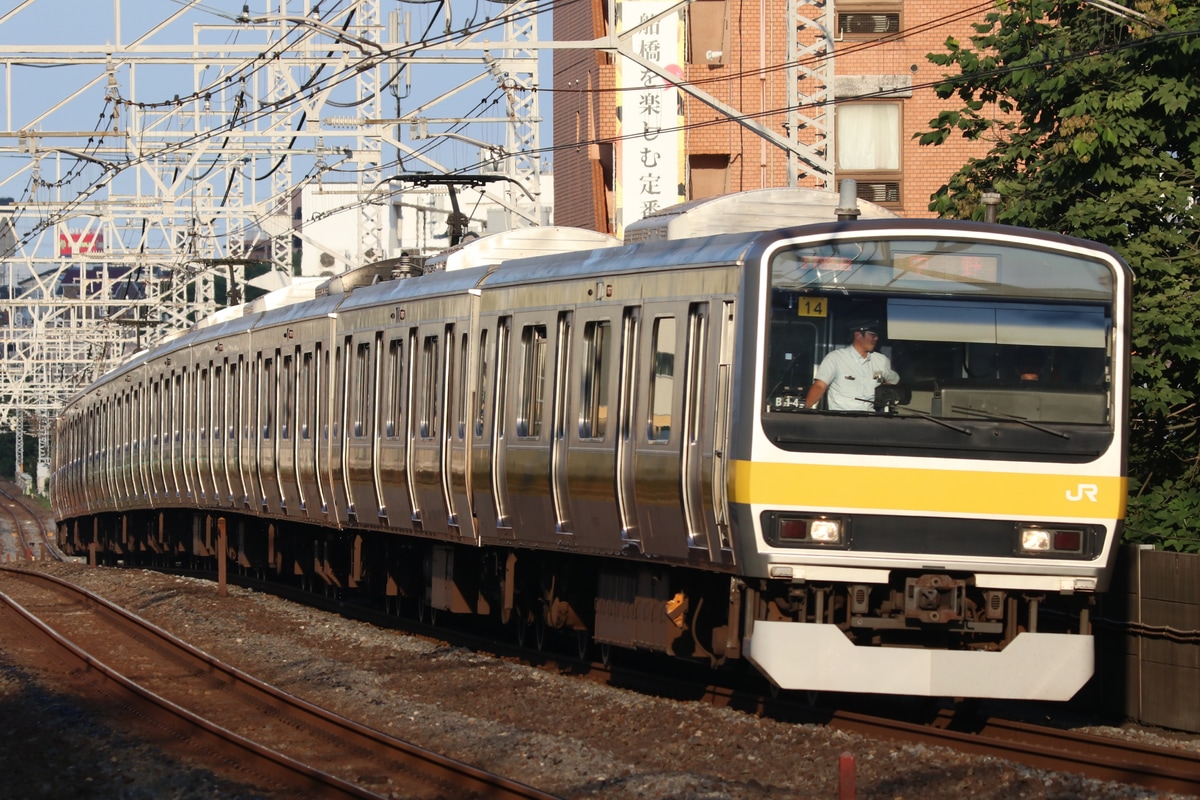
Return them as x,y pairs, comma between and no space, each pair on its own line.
593,418
463,376
482,386
363,388
533,378
218,425
304,396
662,380
267,398
429,395
396,386
285,402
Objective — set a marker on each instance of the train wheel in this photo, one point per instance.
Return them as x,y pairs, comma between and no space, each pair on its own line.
539,633
583,641
521,626
606,654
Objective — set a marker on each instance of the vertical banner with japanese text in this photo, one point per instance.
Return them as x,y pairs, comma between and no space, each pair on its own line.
649,171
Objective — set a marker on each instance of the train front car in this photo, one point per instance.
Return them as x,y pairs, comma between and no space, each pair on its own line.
941,527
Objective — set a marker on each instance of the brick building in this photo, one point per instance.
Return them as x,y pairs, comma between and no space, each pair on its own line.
640,143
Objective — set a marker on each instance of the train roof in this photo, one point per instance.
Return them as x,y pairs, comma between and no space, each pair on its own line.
755,210
518,243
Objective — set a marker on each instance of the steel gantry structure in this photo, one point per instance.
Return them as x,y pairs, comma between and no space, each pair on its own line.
154,164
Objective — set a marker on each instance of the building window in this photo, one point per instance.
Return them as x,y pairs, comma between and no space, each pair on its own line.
868,24
709,175
868,136
708,32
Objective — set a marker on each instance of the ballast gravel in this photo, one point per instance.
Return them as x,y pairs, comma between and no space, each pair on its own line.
563,735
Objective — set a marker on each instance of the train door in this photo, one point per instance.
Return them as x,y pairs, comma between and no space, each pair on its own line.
456,467
715,497
702,355
626,433
339,485
362,403
325,416
164,439
428,437
120,456
178,488
137,435
104,419
238,446
252,434
153,451
288,439
487,500
203,455
222,489
591,452
268,421
533,479
659,435
305,437
559,486
394,446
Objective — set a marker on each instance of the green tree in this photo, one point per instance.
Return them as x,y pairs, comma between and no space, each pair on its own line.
1094,123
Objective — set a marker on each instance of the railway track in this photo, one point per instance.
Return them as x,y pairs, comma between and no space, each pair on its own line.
1044,747
30,531
225,712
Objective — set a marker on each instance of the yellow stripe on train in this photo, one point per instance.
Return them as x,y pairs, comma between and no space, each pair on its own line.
926,491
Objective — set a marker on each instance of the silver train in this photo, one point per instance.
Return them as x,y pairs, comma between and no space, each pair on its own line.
608,441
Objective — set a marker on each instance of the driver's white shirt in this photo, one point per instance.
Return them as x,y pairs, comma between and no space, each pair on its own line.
852,378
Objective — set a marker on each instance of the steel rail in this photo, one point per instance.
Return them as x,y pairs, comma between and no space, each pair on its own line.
438,770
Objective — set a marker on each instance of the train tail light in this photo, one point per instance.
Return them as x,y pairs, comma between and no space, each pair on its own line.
789,529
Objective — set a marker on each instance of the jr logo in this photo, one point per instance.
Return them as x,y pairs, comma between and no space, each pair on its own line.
1088,490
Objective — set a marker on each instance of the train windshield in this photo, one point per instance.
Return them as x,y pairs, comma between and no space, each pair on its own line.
950,344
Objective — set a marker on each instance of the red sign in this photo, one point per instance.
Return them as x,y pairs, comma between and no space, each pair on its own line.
80,244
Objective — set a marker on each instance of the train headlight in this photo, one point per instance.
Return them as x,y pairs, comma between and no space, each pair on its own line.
1056,540
826,531
1035,540
786,529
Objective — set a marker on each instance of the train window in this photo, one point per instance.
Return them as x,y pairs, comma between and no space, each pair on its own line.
287,398
593,391
236,397
363,389
482,386
339,367
153,426
395,407
304,398
203,412
218,424
429,387
662,381
462,388
266,415
177,396
533,378
696,351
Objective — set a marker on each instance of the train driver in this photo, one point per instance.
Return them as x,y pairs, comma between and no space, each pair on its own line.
847,377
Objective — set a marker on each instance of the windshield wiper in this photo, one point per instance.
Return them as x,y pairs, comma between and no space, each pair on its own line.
1010,418
926,415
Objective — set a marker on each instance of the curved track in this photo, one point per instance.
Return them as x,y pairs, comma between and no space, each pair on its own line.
221,710
1052,748
26,530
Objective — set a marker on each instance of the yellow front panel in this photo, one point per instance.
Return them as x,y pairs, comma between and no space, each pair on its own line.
928,491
